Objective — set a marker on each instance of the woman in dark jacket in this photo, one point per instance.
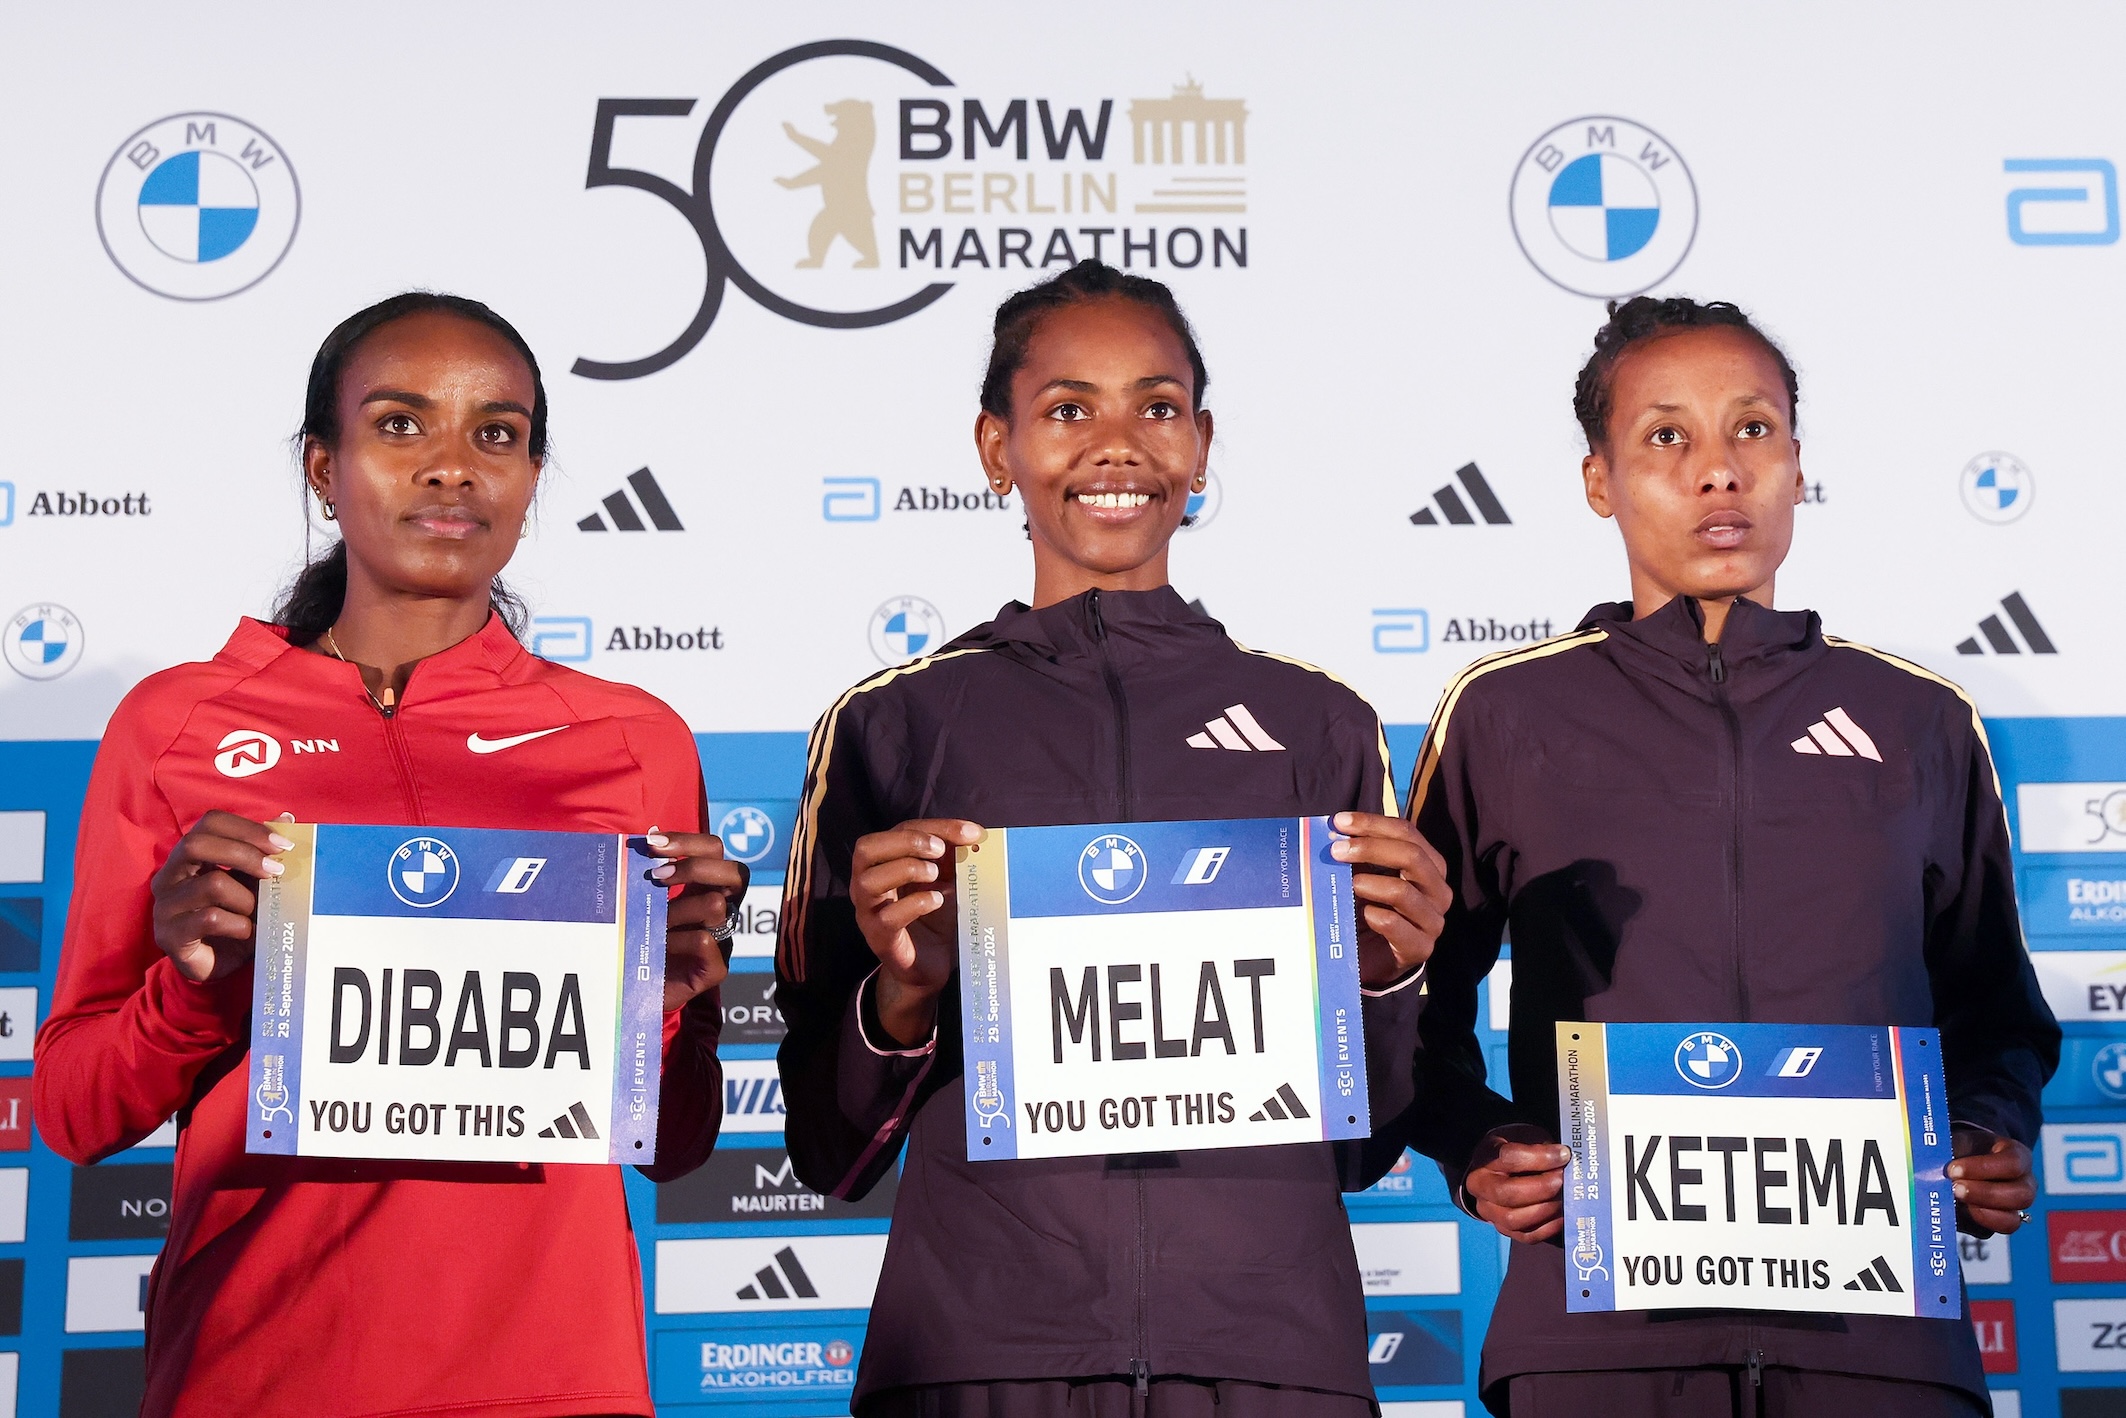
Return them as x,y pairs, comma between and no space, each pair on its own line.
1168,1283
1697,808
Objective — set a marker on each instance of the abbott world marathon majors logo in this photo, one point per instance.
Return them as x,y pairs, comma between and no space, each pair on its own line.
198,206
1604,207
845,184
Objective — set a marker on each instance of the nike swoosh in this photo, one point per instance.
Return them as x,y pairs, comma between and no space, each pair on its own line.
480,745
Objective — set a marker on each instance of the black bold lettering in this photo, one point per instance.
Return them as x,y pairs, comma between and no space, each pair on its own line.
1117,1011
1094,143
1163,1047
1822,1185
932,246
1221,247
1680,1177
969,250
1728,1147
922,141
1083,1019
1873,1193
344,979
1253,971
412,1017
1767,1214
473,1036
563,1040
1640,1186
973,118
515,1020
1209,1026
383,1022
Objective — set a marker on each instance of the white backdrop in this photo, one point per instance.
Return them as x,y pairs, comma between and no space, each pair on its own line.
1846,166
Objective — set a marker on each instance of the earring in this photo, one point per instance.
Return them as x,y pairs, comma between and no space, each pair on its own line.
332,513
1199,484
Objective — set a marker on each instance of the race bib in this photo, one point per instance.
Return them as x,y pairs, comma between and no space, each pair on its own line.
1757,1166
1158,987
457,994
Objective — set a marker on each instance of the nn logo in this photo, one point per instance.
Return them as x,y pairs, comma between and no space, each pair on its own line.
780,1280
617,506
1456,512
1997,636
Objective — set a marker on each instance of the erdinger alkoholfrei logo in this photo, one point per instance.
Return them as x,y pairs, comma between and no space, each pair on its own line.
905,627
845,184
198,206
1111,869
423,872
1604,206
1708,1060
43,641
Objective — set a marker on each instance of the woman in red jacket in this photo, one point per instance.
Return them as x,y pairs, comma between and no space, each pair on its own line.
391,689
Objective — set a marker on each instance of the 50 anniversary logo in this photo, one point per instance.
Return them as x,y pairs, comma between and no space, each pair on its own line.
1007,161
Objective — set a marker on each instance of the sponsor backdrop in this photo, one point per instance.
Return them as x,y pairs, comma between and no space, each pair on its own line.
758,249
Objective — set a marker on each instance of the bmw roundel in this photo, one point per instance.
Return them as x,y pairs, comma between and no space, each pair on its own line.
1111,869
423,872
1708,1060
2108,1068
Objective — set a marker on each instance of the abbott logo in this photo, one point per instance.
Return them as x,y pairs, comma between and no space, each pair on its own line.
514,878
849,499
1200,867
245,752
2060,214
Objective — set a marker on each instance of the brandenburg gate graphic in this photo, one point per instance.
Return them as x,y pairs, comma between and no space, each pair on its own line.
1159,127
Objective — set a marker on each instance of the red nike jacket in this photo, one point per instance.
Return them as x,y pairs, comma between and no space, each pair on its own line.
318,1287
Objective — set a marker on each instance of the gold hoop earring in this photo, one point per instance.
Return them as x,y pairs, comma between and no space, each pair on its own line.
332,512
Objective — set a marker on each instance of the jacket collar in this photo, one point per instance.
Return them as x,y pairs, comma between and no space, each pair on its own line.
482,660
1069,627
1758,648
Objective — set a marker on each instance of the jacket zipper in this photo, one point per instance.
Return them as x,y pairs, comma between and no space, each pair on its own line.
1140,1366
1120,701
403,762
1718,668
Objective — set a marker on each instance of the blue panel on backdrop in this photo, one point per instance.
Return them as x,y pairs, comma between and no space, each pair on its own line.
21,932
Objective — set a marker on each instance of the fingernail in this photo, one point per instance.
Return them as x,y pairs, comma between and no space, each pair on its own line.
1342,821
1340,850
1962,1191
663,871
280,843
285,817
933,846
270,867
1956,1169
937,898
656,839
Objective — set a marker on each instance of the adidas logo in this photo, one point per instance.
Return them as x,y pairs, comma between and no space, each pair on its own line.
623,513
1997,634
1456,511
1281,1106
1235,729
1837,735
1876,1277
574,1123
769,1280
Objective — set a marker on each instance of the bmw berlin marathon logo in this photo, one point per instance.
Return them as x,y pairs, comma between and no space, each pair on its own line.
423,872
43,641
198,206
1111,869
1708,1060
1604,207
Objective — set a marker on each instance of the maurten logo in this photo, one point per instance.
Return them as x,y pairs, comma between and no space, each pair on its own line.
1111,869
748,834
43,641
423,872
1997,488
198,206
1837,735
828,184
1237,730
1604,206
1708,1060
1455,511
1997,636
655,505
1200,866
903,628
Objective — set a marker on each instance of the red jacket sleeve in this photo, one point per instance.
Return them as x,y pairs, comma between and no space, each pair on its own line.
690,1093
128,1036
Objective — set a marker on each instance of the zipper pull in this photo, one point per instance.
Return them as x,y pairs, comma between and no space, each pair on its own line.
1141,1370
1718,665
1092,611
1756,1368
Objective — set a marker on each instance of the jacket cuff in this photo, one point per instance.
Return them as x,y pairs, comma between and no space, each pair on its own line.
1487,1148
208,1012
1403,984
872,1031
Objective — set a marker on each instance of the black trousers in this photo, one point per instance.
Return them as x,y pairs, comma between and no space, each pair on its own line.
1725,1393
1112,1397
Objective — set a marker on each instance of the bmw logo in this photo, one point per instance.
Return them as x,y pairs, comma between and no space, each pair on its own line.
423,872
198,206
748,834
43,641
1997,488
2109,1070
1604,207
1111,869
1708,1060
905,627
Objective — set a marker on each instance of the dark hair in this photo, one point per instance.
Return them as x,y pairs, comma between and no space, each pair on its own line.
313,601
1644,318
1020,316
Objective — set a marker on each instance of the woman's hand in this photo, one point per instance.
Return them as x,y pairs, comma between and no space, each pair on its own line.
1518,1183
898,880
1991,1177
694,960
204,902
1402,901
